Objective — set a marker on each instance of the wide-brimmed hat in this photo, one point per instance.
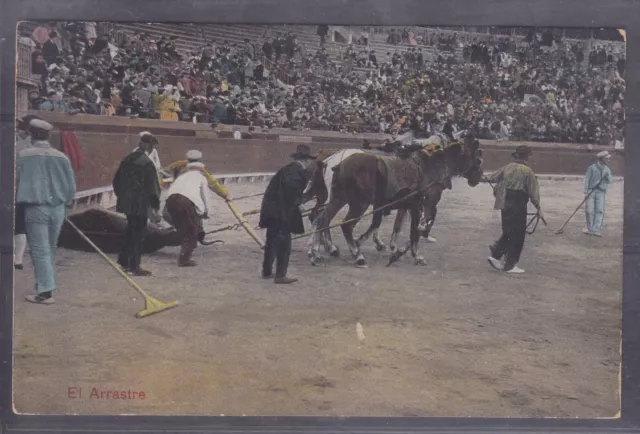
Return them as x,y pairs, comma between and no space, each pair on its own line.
522,152
603,154
149,138
303,152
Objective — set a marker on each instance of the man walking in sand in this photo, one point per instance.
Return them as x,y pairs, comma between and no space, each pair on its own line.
596,181
23,141
46,187
516,186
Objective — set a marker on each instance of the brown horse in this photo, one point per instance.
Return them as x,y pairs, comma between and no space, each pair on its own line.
364,179
320,177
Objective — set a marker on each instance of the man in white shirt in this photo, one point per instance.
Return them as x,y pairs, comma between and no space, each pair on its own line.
187,205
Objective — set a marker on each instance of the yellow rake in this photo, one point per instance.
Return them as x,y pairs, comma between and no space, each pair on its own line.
152,305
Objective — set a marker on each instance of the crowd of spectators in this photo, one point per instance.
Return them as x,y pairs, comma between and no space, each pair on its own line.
499,87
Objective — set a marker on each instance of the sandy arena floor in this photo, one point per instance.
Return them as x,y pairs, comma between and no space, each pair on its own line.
453,338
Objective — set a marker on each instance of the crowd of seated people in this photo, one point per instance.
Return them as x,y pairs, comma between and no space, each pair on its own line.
500,88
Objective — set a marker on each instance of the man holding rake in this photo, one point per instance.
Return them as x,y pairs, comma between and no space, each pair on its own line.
596,181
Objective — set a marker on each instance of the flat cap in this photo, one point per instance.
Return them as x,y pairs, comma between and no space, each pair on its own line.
40,124
194,155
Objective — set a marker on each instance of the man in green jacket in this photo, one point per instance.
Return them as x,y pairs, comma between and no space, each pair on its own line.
516,186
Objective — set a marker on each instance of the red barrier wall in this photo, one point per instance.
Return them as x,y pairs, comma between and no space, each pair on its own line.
105,141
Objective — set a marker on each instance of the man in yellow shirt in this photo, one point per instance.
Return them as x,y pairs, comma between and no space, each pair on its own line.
216,186
516,186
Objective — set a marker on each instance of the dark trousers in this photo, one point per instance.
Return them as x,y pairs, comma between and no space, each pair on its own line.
277,248
187,222
514,225
131,252
20,225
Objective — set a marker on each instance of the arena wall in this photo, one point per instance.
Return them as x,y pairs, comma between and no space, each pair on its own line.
106,140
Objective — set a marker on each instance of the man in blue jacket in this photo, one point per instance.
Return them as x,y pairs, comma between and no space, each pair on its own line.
46,186
596,181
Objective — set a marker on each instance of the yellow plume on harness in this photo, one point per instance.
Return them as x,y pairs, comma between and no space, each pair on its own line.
433,148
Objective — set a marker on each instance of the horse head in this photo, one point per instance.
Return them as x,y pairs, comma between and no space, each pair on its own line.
315,186
465,159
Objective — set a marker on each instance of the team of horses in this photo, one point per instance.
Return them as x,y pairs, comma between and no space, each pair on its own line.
410,180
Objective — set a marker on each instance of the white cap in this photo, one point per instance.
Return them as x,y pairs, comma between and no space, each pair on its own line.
604,154
40,124
144,133
194,155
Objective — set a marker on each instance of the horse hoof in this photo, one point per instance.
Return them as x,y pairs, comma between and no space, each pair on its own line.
421,261
381,247
361,263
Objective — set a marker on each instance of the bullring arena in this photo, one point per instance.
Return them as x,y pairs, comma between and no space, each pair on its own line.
452,338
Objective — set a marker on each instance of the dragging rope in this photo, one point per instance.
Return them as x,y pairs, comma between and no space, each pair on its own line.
252,212
305,212
226,228
357,218
248,196
536,218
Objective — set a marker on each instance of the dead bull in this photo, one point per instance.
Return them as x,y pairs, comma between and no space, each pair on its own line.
106,229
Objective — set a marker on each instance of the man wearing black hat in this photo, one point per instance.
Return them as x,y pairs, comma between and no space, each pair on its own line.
137,189
516,185
280,214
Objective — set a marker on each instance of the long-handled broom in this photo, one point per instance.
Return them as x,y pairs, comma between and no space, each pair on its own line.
561,230
152,305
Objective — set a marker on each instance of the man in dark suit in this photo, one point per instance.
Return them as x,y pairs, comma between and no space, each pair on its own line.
137,188
280,214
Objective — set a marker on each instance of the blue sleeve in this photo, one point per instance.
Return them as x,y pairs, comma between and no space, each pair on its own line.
587,180
71,182
18,171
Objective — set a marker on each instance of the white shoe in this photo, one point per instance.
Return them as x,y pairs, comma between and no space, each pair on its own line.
495,263
597,234
516,270
430,239
38,299
586,231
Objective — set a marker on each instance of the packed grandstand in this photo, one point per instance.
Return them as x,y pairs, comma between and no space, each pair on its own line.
537,86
